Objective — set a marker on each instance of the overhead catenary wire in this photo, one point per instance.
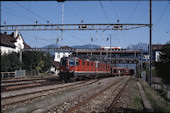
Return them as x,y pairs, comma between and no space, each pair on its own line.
75,37
114,10
108,19
104,11
18,16
133,12
162,14
12,10
32,12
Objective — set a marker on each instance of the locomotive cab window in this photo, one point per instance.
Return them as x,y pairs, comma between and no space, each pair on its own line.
71,62
77,62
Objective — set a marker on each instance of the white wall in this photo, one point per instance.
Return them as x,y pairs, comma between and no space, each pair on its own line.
157,55
59,55
19,43
7,49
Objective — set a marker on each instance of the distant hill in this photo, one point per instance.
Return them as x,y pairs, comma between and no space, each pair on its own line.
51,46
138,46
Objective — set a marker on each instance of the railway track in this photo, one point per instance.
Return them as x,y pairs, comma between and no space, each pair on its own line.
19,80
12,100
27,83
27,79
95,95
112,107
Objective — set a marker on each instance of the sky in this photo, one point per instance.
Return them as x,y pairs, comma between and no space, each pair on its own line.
91,12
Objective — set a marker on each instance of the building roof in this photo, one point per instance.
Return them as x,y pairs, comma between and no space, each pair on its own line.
26,46
157,47
8,41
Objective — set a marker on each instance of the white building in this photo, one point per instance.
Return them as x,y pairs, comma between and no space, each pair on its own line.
156,52
12,42
60,54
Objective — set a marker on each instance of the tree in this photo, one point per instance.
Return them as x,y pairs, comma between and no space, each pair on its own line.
5,63
47,61
32,60
163,66
36,60
10,62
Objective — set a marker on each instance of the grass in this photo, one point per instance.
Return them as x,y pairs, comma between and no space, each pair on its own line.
159,104
136,100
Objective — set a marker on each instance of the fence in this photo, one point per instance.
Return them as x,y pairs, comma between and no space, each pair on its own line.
20,73
15,74
5,75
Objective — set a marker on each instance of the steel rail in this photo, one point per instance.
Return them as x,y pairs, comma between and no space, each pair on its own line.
91,97
30,93
115,101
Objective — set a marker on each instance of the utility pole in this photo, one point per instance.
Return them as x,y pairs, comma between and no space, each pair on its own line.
110,47
142,60
58,41
91,42
62,18
150,46
20,59
91,45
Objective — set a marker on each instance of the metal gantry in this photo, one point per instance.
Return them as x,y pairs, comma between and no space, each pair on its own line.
71,27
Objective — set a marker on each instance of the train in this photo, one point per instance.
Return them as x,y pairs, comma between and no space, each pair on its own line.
75,68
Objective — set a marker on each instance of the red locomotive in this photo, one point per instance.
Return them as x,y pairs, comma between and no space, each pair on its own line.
72,68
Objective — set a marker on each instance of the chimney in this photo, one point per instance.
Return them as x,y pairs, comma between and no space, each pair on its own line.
15,33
